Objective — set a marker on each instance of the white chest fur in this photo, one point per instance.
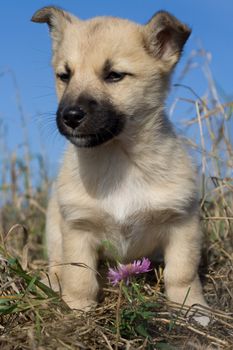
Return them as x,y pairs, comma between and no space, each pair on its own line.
135,195
131,196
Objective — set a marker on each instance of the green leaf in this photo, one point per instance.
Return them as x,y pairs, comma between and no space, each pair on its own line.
4,310
147,314
142,331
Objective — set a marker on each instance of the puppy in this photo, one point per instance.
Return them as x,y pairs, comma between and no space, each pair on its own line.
125,177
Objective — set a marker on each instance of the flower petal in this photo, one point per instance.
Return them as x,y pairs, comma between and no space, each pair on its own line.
124,272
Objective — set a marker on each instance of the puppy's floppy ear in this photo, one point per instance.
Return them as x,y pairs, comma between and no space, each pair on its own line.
56,19
165,37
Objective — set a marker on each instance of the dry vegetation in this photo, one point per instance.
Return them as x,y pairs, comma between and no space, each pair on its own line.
32,316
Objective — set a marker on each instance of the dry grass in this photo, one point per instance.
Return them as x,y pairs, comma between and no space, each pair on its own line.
34,317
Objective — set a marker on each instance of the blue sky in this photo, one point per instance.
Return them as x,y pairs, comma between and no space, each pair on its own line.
26,51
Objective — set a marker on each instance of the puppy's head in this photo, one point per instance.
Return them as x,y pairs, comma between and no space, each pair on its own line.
110,73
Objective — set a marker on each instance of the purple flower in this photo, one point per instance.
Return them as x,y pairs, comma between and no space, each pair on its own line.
124,272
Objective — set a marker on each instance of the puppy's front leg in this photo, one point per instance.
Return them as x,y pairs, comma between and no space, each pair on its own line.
182,255
79,284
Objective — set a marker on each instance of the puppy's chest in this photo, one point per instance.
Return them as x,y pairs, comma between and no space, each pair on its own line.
127,200
139,221
140,217
134,210
137,208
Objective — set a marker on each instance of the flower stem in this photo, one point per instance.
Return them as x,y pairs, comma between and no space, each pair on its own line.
118,318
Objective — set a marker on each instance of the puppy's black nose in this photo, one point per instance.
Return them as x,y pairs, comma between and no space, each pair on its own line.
73,116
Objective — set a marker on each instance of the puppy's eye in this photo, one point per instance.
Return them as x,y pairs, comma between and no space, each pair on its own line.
114,77
64,76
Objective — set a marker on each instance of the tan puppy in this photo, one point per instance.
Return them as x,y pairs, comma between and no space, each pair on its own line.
125,177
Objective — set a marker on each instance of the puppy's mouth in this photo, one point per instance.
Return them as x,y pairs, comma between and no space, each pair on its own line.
88,136
91,140
89,124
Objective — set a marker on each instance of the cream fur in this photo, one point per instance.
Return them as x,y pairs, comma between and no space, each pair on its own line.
138,190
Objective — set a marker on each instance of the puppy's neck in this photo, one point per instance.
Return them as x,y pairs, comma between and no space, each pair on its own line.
149,134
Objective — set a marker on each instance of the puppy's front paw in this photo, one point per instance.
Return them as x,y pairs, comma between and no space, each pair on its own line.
203,320
80,304
200,314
